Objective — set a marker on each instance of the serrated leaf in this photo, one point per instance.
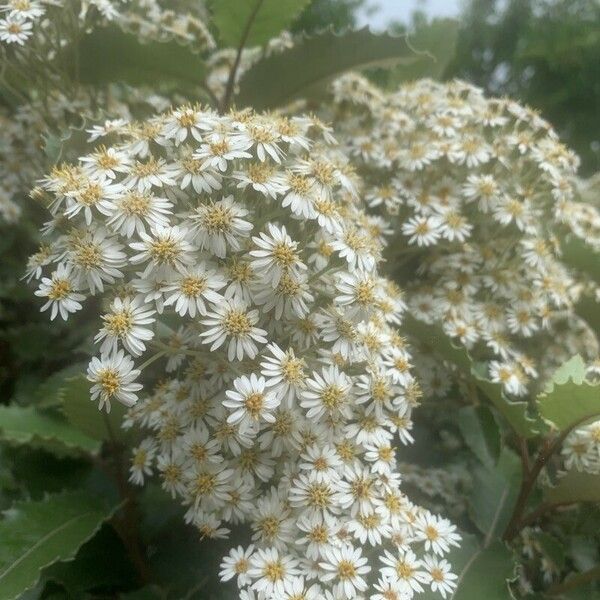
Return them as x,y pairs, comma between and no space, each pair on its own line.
110,54
83,414
436,43
25,425
568,398
434,338
34,535
494,494
49,394
313,61
253,21
575,486
480,431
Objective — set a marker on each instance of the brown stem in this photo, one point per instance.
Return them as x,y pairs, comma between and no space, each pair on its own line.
127,525
539,512
575,581
530,476
236,64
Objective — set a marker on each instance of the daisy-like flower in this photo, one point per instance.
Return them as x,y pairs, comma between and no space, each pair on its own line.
127,323
423,231
271,571
437,533
328,392
142,461
262,177
220,150
15,29
236,564
96,258
219,225
250,402
163,247
405,569
284,372
60,290
192,288
297,589
441,579
113,378
231,320
133,211
346,567
277,254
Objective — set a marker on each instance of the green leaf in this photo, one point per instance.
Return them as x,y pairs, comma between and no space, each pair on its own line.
480,431
486,574
312,62
110,55
434,338
24,425
574,487
49,393
36,534
577,254
494,494
436,43
482,572
568,398
90,570
253,22
83,414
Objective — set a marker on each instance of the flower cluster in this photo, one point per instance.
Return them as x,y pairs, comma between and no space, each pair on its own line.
30,29
480,194
24,20
234,249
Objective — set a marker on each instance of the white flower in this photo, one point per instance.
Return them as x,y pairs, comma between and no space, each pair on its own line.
95,258
442,580
423,231
113,378
250,402
232,320
15,29
192,287
328,392
405,569
236,564
437,533
277,254
284,373
127,323
133,211
142,460
219,225
271,570
164,247
60,291
220,150
346,566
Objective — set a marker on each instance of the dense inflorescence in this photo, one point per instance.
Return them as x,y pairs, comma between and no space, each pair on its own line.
234,253
31,29
481,195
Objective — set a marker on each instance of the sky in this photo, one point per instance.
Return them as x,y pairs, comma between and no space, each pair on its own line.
400,10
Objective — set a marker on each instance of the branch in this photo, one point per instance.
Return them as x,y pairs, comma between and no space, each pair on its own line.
575,581
231,80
